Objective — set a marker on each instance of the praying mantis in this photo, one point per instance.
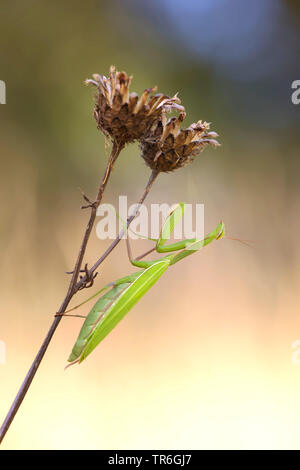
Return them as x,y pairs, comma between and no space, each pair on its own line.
124,293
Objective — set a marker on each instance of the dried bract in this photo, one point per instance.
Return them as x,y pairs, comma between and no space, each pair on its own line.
168,147
124,116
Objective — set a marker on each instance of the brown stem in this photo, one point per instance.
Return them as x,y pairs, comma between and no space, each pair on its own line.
74,285
152,178
113,156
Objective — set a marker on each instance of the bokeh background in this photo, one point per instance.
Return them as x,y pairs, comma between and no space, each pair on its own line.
204,361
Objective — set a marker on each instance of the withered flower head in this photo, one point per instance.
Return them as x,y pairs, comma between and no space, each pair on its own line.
122,115
168,147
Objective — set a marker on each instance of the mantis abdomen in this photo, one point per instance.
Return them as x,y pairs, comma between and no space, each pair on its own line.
112,307
102,306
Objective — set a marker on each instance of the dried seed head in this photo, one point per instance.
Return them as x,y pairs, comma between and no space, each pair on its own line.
124,116
167,147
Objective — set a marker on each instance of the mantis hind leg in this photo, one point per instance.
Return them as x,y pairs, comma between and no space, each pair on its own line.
68,315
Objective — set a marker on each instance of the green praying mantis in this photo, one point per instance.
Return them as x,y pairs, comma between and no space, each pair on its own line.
124,293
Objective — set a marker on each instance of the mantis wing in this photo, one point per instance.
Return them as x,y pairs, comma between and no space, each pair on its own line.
112,307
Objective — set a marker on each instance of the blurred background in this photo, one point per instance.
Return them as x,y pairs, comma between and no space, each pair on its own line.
205,360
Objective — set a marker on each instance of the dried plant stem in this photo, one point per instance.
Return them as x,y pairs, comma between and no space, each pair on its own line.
152,178
74,285
94,206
